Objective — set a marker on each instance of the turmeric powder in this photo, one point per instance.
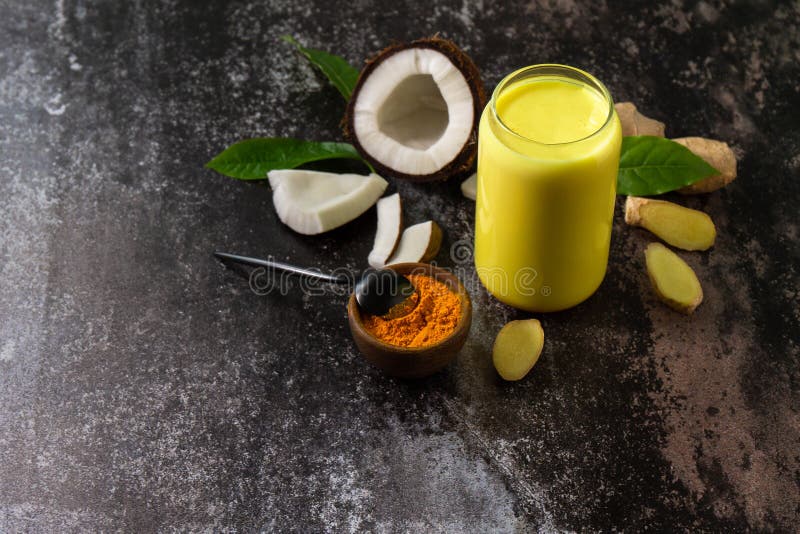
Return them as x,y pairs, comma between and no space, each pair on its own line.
433,319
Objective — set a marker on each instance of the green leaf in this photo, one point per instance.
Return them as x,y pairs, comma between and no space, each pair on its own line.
252,159
341,74
653,165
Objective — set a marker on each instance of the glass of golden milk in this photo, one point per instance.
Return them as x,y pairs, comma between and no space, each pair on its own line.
548,153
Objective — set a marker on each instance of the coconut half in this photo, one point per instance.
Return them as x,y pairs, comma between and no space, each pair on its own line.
312,202
390,225
414,111
419,243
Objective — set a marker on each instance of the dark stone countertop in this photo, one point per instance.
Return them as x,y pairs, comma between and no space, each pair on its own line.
144,387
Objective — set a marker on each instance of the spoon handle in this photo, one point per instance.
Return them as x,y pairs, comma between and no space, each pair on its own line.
269,264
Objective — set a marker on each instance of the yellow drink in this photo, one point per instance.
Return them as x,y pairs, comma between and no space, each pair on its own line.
548,152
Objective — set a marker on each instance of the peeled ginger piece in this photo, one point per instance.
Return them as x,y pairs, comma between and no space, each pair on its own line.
517,348
673,280
681,227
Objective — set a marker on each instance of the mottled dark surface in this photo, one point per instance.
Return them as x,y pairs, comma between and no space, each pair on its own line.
144,387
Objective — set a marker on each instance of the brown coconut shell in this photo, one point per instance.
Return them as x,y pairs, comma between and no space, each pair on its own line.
464,161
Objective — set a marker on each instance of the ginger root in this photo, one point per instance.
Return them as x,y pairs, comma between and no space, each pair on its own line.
672,279
679,226
634,123
717,154
517,348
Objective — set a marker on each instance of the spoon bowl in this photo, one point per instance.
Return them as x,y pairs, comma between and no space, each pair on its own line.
382,291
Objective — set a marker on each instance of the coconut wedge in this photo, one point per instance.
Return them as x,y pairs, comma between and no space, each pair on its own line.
414,110
312,202
469,187
419,243
390,225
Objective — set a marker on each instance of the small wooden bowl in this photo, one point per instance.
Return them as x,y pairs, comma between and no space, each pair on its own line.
413,362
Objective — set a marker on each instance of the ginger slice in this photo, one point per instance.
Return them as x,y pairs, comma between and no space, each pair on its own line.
717,154
517,348
681,227
672,279
634,123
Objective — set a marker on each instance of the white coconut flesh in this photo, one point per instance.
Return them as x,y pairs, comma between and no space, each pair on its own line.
390,224
469,187
312,202
418,243
415,111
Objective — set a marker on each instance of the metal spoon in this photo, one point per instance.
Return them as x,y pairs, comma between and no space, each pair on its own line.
381,292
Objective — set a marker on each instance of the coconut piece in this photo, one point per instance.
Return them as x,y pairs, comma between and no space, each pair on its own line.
634,123
312,202
415,108
390,224
419,243
469,187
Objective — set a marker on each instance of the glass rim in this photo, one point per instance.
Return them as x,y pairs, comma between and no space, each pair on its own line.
554,68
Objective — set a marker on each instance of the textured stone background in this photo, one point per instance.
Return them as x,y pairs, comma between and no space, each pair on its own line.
143,386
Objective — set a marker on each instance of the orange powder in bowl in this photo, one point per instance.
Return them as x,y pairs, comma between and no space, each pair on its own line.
433,319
